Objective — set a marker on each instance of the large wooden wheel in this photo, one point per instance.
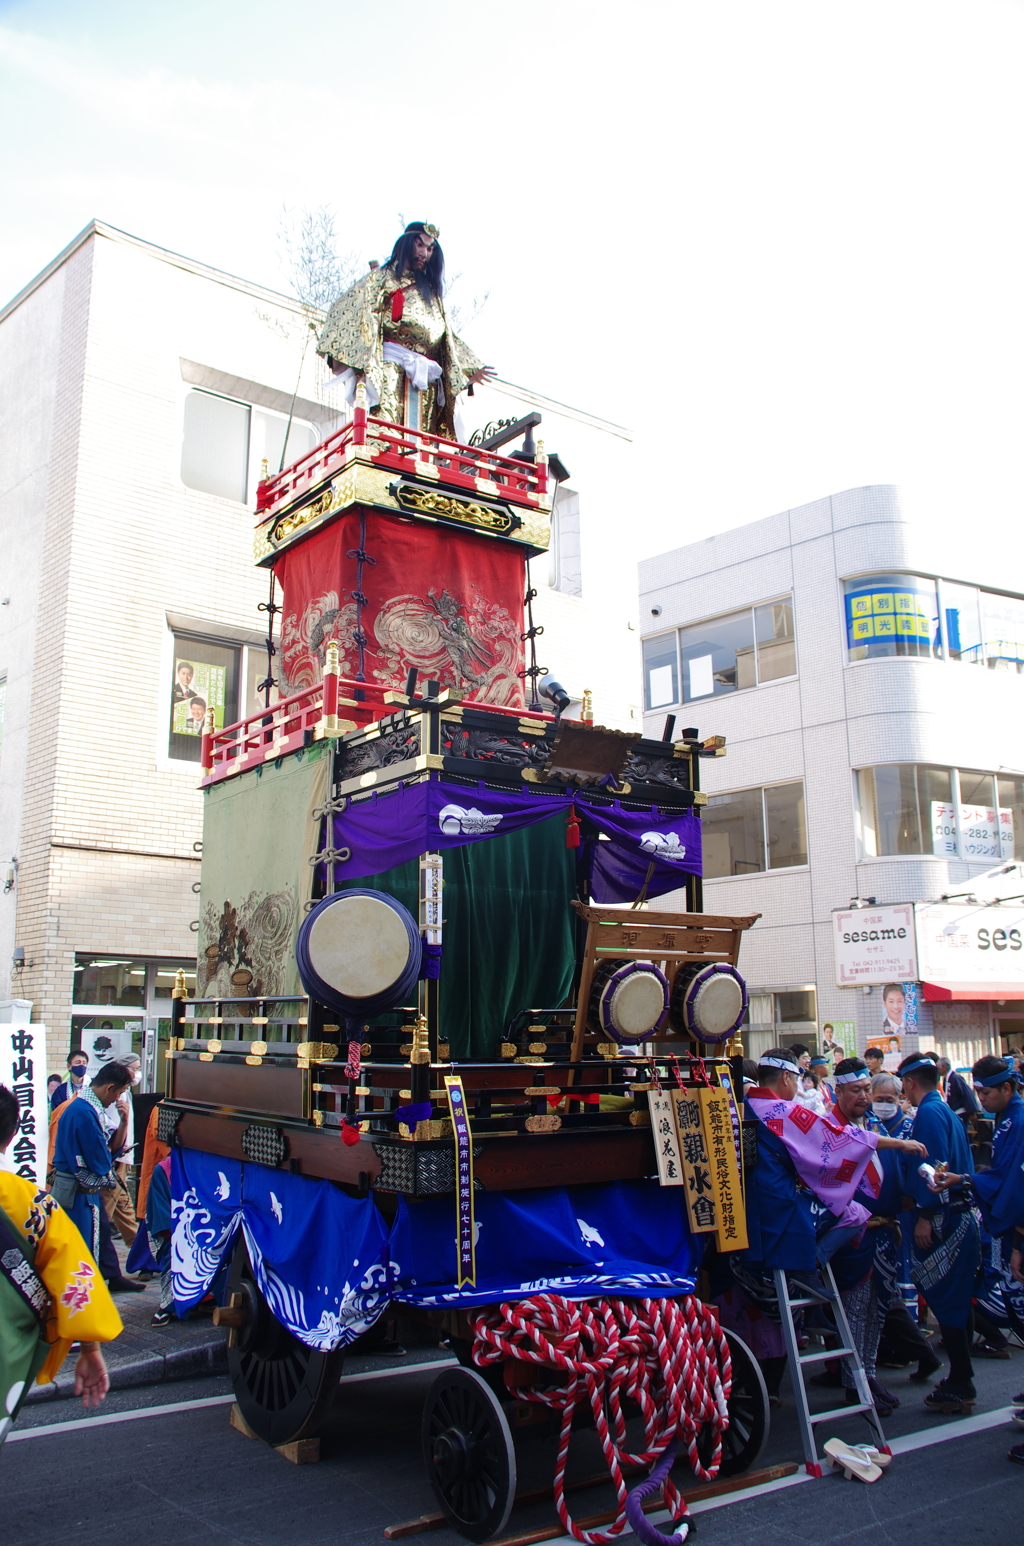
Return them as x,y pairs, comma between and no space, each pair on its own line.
744,1440
468,1450
283,1388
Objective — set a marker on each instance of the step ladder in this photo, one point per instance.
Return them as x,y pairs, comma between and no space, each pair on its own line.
809,1296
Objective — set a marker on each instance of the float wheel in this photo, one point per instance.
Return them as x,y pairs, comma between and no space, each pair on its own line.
470,1458
744,1440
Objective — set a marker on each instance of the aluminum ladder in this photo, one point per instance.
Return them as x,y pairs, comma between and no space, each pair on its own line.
808,1297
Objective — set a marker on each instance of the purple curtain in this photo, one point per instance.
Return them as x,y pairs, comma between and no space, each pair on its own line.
387,830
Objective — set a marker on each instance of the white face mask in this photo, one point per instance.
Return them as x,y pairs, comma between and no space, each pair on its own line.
884,1109
137,1076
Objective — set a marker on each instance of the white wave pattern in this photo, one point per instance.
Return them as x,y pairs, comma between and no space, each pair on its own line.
198,1246
358,1307
587,1286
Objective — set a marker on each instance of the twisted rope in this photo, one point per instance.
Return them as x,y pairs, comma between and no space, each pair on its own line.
669,1356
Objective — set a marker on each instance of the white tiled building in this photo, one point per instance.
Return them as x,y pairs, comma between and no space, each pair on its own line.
139,393
868,681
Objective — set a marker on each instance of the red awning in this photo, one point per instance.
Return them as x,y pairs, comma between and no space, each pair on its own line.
944,992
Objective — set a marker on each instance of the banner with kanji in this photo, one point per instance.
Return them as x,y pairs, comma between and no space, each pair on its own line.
23,1070
396,593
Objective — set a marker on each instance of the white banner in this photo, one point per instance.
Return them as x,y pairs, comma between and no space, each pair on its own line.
985,833
23,1070
981,946
874,945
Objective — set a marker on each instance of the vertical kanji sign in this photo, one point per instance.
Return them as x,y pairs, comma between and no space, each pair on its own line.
716,1114
23,1070
698,1175
666,1146
465,1230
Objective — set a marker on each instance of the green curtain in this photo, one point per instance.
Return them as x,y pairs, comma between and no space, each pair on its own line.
508,930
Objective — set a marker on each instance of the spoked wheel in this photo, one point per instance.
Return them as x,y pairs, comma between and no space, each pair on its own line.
749,1415
468,1449
284,1389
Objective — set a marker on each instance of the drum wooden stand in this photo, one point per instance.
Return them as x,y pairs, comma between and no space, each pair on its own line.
668,939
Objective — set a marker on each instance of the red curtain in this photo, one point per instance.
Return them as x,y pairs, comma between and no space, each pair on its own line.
400,593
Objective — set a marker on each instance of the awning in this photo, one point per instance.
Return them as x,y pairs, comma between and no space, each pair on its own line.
946,992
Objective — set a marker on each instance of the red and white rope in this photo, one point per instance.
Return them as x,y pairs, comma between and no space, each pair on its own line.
669,1356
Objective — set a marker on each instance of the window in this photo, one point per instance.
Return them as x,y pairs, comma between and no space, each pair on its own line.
754,830
661,671
741,649
226,442
120,998
891,614
204,677
949,812
1002,632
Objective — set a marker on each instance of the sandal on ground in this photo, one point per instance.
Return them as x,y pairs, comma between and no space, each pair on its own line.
989,1350
1016,1453
881,1394
950,1402
161,1318
852,1461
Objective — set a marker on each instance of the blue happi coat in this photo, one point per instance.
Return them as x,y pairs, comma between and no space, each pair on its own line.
81,1151
1000,1189
945,1272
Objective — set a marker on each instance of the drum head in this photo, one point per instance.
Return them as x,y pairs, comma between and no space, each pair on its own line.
359,952
359,946
716,1007
632,1000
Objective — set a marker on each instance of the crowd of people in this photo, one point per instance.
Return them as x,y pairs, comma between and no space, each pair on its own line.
872,1171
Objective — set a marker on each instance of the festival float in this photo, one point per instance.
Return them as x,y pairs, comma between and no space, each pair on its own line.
447,1057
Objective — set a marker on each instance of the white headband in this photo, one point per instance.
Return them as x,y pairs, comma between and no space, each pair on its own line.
789,1068
860,1073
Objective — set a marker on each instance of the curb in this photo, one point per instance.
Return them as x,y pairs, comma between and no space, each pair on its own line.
183,1363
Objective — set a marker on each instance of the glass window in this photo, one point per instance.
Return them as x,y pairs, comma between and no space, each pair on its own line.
785,826
164,978
963,623
661,671
268,432
1010,792
205,677
215,447
718,657
795,1008
891,614
776,646
1002,631
906,810
732,827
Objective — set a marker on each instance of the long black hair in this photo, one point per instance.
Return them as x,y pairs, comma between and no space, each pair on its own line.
429,280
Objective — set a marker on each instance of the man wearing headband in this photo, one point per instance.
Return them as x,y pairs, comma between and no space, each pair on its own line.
800,1199
998,1191
946,1250
902,1342
391,331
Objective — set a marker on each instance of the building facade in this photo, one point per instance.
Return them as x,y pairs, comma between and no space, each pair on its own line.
868,681
141,394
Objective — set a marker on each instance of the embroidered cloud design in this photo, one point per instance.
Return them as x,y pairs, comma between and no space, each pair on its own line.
455,818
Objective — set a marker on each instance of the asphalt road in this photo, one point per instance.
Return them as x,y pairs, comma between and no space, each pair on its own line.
166,1459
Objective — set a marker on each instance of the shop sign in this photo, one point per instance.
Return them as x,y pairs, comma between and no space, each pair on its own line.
964,945
874,945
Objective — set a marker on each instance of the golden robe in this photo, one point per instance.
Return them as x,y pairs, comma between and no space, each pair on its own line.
359,324
81,1309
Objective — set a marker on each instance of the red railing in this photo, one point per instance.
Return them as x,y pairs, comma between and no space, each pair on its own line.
404,450
283,727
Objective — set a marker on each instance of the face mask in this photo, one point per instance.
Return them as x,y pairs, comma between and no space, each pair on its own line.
884,1109
78,1070
137,1076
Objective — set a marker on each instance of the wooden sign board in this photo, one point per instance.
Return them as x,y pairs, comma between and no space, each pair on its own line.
666,1146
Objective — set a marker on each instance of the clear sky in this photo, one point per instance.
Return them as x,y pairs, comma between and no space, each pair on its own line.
782,239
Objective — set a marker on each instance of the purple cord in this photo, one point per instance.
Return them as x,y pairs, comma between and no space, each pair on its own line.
637,1519
418,1111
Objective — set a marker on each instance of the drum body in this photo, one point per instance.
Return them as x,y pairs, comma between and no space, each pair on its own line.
629,1000
359,952
708,1001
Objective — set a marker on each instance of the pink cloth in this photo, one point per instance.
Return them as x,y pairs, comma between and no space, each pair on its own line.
830,1157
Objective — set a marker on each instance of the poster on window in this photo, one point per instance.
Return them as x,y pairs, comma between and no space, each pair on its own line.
105,1045
197,688
985,833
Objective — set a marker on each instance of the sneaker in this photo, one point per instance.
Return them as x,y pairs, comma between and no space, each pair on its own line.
161,1318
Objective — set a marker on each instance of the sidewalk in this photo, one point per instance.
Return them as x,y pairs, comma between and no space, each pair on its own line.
148,1355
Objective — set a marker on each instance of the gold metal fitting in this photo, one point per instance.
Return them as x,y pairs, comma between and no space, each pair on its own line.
420,1042
179,990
